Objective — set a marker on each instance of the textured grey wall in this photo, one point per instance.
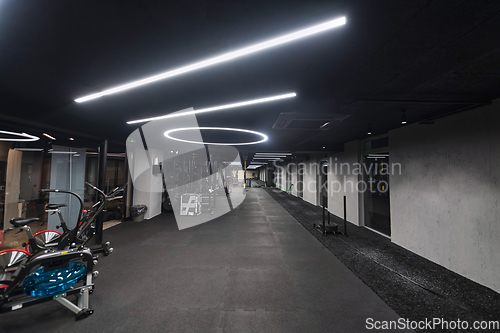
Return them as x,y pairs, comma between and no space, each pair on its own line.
310,187
445,203
337,177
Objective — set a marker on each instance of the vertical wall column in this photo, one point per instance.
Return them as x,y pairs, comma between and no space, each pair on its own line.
101,184
149,191
125,199
12,188
310,185
344,175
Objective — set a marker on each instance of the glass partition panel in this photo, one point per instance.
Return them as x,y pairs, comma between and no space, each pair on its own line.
67,173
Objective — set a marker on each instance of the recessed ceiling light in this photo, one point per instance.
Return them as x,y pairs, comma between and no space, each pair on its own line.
49,136
324,147
71,139
167,134
215,108
224,57
24,136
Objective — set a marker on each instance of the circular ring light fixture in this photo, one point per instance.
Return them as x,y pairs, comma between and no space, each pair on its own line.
24,136
167,134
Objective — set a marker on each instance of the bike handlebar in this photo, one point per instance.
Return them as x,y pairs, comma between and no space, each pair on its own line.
111,193
68,192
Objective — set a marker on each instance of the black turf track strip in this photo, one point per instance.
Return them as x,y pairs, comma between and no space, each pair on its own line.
387,269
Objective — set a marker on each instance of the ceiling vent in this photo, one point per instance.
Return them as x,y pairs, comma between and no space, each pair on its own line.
304,121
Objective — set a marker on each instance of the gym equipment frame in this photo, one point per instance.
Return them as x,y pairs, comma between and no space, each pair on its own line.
14,298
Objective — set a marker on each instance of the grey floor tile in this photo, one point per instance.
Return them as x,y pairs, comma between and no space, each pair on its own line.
204,256
241,321
253,270
260,288
281,219
186,288
254,239
212,238
257,257
297,239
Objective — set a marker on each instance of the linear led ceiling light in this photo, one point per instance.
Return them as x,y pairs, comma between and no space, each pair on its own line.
167,134
61,152
267,158
215,108
282,156
377,155
270,156
28,149
277,154
48,136
23,136
224,57
273,153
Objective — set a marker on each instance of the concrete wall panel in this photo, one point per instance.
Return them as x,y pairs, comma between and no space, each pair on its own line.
445,203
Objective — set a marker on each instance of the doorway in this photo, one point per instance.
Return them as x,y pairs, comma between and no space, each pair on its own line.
323,184
376,197
300,180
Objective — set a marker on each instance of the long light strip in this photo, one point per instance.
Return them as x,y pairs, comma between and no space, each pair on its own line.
215,108
52,151
28,149
24,136
271,154
48,136
267,158
224,57
282,156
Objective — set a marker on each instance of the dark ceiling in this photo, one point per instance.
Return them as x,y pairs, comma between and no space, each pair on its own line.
428,57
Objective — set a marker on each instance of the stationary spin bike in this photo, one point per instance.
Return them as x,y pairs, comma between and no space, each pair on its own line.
56,269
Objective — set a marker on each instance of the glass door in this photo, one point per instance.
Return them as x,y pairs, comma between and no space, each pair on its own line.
377,202
300,180
323,184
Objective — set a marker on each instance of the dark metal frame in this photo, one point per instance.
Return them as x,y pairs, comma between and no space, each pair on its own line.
13,297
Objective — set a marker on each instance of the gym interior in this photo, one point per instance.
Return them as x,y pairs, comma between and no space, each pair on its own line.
231,166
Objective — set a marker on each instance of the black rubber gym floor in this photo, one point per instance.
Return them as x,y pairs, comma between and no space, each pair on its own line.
414,287
255,269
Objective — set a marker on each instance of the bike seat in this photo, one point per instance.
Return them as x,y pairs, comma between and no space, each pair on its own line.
55,206
19,222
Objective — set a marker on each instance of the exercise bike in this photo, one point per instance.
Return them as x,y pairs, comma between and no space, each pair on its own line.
54,270
80,235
